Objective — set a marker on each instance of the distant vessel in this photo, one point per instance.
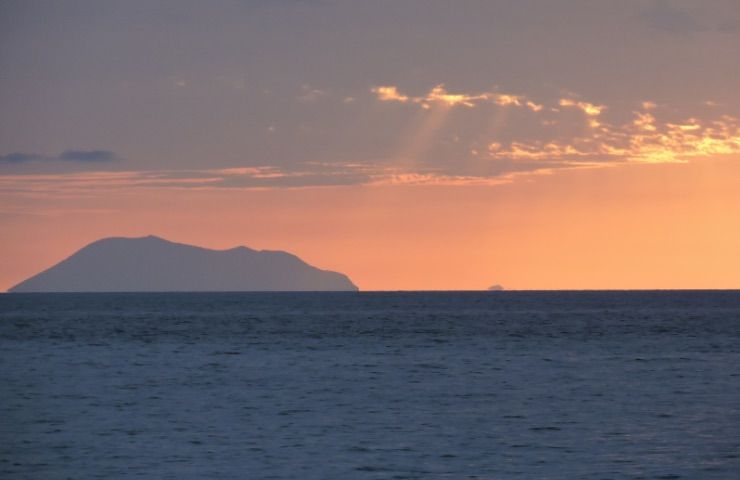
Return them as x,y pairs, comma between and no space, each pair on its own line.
495,288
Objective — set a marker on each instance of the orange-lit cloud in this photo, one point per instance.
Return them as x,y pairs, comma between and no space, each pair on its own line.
561,141
648,105
439,95
645,139
589,109
390,94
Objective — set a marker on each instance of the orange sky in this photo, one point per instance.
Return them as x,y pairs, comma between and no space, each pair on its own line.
631,226
411,145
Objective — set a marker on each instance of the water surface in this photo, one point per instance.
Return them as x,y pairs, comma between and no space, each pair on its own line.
489,385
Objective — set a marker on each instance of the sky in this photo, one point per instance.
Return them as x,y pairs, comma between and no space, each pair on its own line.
416,144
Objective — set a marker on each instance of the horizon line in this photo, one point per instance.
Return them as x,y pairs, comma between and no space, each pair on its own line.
513,290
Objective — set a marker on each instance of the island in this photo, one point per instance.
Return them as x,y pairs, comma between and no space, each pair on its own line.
153,264
495,288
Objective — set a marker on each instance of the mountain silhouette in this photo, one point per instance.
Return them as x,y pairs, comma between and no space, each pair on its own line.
153,264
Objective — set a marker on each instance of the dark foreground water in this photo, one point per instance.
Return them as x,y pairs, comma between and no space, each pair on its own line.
501,385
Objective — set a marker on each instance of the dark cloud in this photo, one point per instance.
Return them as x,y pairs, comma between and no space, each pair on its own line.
669,18
87,155
79,156
684,17
19,157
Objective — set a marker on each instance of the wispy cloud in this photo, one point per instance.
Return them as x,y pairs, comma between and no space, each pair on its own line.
389,93
590,109
440,96
315,174
644,139
564,133
84,183
310,94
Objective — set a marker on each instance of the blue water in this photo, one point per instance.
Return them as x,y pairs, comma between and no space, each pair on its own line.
499,385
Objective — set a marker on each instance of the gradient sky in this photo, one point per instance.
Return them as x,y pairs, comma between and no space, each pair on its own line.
414,144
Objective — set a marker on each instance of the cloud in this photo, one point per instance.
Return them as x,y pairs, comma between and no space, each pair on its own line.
471,145
314,174
670,18
389,94
563,141
648,105
645,139
311,95
87,155
261,177
19,157
589,109
78,156
678,17
440,96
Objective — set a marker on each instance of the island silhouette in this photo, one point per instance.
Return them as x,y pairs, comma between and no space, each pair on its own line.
153,264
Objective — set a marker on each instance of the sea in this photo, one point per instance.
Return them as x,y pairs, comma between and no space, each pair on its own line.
371,385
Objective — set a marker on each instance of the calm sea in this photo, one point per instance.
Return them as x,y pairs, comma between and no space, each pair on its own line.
476,385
